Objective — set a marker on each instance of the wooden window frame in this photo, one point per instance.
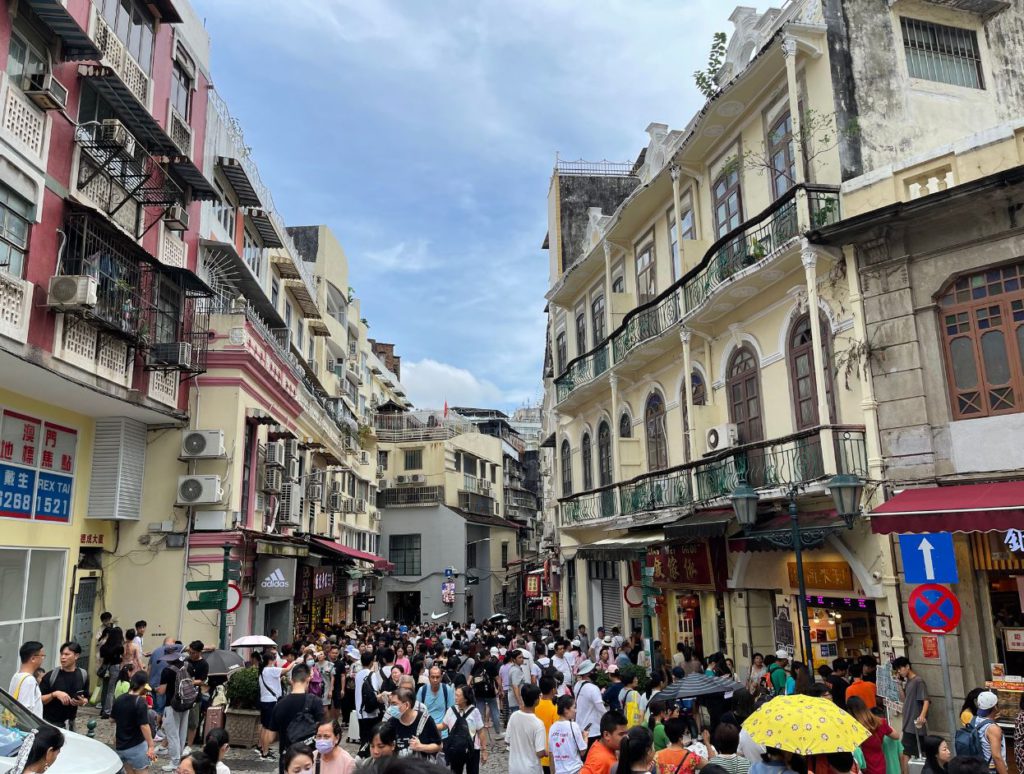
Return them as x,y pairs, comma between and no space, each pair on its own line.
716,200
792,353
565,463
625,423
785,145
597,318
656,433
648,273
699,399
742,379
581,332
561,351
604,454
587,462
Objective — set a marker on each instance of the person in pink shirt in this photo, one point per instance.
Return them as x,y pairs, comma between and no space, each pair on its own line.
402,660
331,757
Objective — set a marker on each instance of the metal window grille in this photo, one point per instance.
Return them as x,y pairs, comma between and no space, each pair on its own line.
944,54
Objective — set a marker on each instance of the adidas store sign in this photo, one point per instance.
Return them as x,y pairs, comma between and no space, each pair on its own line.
275,580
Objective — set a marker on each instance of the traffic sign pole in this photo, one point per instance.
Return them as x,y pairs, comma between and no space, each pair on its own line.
947,686
225,577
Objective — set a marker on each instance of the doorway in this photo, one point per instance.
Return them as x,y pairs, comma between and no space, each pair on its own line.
405,606
82,619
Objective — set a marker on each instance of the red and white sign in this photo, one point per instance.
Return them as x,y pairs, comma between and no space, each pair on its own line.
234,598
634,595
1014,639
930,647
934,608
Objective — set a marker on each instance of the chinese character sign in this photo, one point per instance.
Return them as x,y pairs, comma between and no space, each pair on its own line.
685,566
1015,540
532,585
37,461
448,592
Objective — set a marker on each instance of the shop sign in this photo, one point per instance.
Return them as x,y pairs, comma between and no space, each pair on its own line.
90,539
448,592
37,463
323,581
685,566
275,577
1014,540
783,627
826,576
1014,639
930,647
532,585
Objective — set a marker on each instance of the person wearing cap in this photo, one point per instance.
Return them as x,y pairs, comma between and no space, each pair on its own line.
590,707
777,671
993,742
133,735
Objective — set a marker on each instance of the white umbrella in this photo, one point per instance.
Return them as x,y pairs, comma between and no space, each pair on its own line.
253,641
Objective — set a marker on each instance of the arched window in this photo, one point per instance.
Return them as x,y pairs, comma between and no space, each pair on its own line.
700,398
654,422
566,469
625,426
604,454
982,317
801,372
586,456
743,386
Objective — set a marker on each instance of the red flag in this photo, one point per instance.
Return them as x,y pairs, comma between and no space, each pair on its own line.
446,408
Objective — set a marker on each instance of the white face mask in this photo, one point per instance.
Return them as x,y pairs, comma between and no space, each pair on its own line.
310,662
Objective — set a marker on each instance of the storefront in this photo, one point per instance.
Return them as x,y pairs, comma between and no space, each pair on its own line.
314,598
842,627
275,583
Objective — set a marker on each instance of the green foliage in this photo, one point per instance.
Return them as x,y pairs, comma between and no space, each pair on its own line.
365,436
243,689
705,79
602,679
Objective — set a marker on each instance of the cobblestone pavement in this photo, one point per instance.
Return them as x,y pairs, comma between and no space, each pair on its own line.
244,760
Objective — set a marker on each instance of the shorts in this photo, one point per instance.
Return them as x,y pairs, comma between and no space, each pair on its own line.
266,713
912,744
135,756
193,715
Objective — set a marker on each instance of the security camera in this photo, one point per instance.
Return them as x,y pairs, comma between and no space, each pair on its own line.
876,576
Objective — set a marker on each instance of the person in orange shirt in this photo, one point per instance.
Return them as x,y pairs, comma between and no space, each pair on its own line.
547,712
860,687
604,752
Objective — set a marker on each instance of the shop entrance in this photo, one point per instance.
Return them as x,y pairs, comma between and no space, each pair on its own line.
81,624
405,606
842,626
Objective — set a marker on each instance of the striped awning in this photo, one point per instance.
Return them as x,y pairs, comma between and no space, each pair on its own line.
265,227
75,43
989,551
238,177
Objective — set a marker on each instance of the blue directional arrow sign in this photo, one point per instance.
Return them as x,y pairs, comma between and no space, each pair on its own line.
928,558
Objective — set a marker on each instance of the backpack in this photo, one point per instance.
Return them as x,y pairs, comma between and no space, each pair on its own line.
634,717
370,704
421,695
302,727
316,682
459,743
185,691
50,676
967,740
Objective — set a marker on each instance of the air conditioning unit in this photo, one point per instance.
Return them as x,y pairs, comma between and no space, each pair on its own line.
202,444
317,476
418,478
315,492
170,353
72,291
335,502
375,515
113,132
721,437
290,511
199,490
291,470
349,506
45,91
485,486
403,479
291,449
275,455
272,480
176,218
335,487
360,505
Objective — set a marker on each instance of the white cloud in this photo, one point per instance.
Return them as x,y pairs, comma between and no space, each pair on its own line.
404,256
430,383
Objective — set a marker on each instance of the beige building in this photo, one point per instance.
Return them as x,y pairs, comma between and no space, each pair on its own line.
699,340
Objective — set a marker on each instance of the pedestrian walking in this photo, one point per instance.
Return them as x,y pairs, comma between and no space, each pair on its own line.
24,686
518,677
484,681
70,680
914,694
437,697
590,707
133,734
331,757
603,754
298,715
527,742
215,747
567,744
39,751
937,755
878,728
112,656
466,745
181,693
270,693
636,751
368,707
416,734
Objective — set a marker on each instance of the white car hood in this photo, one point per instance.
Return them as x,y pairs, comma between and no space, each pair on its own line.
79,755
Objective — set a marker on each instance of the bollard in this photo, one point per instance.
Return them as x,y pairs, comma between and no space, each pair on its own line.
91,726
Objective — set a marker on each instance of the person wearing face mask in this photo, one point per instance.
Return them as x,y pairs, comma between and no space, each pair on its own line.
415,732
331,758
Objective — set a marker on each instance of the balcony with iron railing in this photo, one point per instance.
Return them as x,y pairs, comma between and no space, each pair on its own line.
475,485
776,464
737,256
400,427
394,497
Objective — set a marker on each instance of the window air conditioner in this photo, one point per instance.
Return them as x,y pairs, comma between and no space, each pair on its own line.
403,479
199,490
364,457
292,469
721,437
170,353
275,454
360,505
176,218
335,502
45,91
72,291
114,133
315,492
202,444
290,511
291,449
418,478
272,480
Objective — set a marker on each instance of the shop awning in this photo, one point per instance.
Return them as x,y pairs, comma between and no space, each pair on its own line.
776,534
990,507
76,45
624,547
378,562
700,526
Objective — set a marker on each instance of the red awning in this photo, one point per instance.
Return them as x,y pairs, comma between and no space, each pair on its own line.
378,562
955,508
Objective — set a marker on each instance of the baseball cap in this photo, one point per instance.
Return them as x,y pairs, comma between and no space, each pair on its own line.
782,653
494,651
987,700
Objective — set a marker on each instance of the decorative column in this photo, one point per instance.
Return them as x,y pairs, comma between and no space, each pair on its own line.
613,380
608,291
691,445
810,260
793,89
674,172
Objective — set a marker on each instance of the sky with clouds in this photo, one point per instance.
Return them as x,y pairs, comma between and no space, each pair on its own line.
424,132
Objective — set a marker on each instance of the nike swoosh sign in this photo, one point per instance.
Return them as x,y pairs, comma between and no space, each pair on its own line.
435,616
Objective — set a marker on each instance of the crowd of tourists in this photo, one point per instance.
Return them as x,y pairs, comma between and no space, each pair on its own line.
409,698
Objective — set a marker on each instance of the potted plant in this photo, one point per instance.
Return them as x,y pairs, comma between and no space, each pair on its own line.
242,718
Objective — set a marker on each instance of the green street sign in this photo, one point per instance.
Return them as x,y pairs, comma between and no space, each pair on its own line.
198,605
232,570
213,597
205,586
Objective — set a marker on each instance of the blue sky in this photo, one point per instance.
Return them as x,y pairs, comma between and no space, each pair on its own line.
423,132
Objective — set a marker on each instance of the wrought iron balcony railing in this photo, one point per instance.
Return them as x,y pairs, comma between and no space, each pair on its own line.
646,323
583,370
410,495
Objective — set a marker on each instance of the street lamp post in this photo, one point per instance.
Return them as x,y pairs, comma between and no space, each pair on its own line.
846,490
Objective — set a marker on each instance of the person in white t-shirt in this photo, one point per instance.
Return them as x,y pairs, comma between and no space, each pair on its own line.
589,704
24,687
566,743
465,705
524,735
597,643
564,664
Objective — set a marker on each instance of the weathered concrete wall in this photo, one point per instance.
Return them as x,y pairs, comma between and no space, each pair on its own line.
577,194
899,116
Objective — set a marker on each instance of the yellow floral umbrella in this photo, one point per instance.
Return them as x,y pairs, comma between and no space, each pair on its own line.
805,725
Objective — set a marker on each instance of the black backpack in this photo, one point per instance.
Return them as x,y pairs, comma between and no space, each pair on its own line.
302,728
459,743
370,704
